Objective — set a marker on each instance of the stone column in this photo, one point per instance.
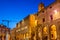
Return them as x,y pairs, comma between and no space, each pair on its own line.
58,32
48,33
41,32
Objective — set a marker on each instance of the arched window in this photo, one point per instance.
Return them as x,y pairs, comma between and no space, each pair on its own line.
53,32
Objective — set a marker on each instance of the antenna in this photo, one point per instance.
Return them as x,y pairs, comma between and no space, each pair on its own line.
7,22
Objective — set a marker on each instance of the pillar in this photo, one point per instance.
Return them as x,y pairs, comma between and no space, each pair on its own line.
58,32
48,32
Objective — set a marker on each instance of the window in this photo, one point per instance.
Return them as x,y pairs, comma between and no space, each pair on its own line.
42,11
50,7
51,17
43,19
52,35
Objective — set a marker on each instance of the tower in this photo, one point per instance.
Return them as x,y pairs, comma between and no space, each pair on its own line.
41,6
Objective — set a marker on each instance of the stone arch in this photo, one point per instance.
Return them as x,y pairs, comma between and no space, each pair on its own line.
53,32
45,29
45,32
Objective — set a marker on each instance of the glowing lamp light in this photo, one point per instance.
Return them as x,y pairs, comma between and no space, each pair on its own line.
55,11
56,14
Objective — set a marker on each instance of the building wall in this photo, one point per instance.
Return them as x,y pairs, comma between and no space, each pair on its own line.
3,32
22,31
26,27
49,18
44,25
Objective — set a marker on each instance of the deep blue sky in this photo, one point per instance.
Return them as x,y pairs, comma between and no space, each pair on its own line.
16,10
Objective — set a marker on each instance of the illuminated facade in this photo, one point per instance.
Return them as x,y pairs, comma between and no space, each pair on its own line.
3,33
22,29
48,22
44,25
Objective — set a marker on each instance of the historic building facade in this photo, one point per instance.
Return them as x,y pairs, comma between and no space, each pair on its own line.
48,22
4,33
44,25
24,29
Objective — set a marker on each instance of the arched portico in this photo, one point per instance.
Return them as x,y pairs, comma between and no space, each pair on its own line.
53,32
45,33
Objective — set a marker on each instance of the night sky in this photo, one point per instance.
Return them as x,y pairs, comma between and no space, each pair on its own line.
16,10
